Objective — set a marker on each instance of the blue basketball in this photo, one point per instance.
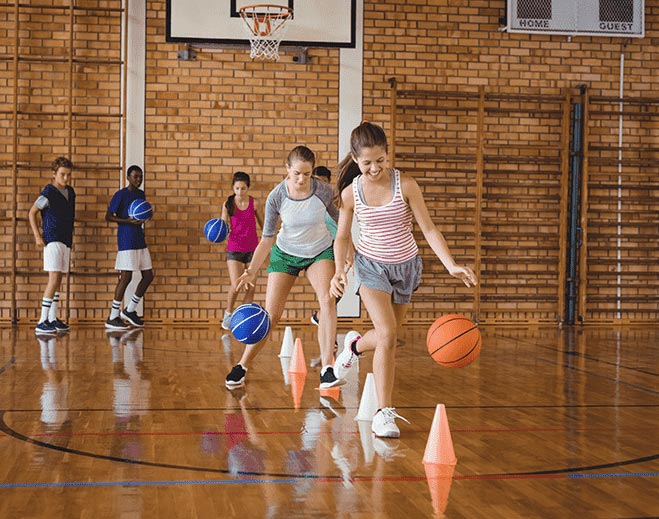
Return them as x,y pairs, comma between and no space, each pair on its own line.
140,210
250,323
216,230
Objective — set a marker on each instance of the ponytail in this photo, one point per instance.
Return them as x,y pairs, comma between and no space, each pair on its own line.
231,205
347,172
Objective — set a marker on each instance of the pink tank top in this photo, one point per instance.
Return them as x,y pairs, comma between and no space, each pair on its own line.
242,237
385,232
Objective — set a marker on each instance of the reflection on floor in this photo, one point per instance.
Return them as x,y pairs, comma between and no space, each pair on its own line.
546,423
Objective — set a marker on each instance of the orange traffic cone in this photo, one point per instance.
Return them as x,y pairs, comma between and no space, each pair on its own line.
332,392
298,364
439,479
439,449
297,387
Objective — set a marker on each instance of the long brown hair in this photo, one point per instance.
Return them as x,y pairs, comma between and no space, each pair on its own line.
238,176
366,135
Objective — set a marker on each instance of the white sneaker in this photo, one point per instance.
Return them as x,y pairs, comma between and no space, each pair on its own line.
226,321
384,423
347,358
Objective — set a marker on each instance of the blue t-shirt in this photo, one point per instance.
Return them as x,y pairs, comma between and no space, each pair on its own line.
129,235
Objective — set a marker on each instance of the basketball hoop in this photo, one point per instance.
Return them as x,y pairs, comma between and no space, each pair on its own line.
265,25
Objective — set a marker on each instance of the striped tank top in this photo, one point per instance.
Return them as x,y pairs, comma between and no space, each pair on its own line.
385,232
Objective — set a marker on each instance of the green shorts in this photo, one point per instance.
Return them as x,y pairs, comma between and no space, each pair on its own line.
282,262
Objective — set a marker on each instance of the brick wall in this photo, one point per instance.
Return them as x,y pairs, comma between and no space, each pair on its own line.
207,118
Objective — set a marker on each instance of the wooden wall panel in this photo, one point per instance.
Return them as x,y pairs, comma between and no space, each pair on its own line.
622,210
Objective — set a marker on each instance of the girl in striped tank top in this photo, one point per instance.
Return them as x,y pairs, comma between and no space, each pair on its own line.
387,264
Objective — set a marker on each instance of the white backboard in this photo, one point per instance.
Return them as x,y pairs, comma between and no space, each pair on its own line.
315,23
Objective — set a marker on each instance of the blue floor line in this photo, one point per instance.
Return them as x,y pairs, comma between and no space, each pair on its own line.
146,483
617,475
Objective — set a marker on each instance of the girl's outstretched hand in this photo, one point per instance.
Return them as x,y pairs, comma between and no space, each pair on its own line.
465,274
338,284
245,281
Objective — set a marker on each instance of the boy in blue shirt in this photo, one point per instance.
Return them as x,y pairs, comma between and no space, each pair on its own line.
133,254
56,206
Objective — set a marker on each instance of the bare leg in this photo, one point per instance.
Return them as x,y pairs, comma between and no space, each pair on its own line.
54,282
125,276
386,318
279,286
236,268
147,278
320,275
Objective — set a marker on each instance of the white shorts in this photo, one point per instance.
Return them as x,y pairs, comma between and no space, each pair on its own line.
56,257
133,260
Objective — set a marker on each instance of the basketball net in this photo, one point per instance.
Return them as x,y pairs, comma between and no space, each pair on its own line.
266,26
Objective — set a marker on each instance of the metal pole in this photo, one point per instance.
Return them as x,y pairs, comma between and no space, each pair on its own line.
574,213
565,173
619,208
583,216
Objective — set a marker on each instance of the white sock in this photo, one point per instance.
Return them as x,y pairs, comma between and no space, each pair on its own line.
132,305
116,307
46,303
52,313
43,353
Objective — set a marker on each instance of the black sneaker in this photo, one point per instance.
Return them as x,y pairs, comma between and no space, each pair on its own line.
314,318
236,378
328,379
60,326
45,328
132,318
116,324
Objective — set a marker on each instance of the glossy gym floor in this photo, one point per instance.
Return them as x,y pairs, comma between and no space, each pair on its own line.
547,423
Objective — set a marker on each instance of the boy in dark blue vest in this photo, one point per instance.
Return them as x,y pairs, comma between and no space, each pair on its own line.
56,208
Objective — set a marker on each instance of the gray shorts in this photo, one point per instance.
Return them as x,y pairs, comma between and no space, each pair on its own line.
397,279
242,257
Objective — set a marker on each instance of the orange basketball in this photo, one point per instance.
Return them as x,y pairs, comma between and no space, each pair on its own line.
453,341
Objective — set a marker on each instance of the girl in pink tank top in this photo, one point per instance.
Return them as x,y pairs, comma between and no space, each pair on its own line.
241,212
387,265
